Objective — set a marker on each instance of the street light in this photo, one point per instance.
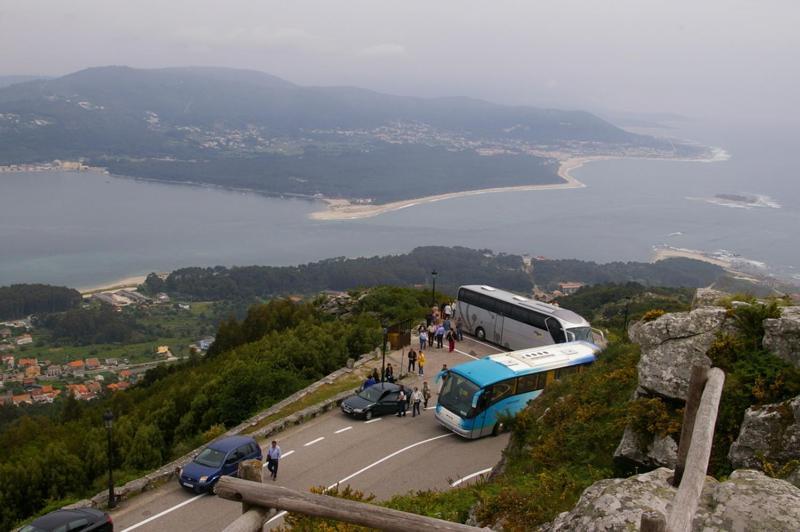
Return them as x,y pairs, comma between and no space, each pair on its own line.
108,420
434,273
383,354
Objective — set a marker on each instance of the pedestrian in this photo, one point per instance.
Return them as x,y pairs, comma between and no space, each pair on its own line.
431,334
416,400
423,338
429,319
439,336
421,362
389,373
459,329
412,361
446,325
448,311
451,341
402,402
369,382
273,457
426,394
375,375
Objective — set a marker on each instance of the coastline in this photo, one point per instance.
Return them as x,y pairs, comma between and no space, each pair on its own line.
119,284
343,209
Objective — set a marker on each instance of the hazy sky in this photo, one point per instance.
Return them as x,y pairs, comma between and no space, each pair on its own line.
698,57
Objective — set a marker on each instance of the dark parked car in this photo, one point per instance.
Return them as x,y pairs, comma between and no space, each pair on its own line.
83,519
221,457
377,400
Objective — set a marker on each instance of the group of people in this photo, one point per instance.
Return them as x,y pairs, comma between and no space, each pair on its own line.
440,326
415,399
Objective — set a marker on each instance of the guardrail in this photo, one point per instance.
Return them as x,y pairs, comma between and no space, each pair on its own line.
694,450
259,500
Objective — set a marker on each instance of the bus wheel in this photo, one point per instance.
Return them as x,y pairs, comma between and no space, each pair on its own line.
498,428
480,333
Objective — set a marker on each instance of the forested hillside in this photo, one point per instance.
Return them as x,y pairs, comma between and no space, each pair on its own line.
20,300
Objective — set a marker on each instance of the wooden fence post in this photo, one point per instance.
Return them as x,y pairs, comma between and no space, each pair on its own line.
653,521
696,384
253,517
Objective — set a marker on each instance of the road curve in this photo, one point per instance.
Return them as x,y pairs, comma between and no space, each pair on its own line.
385,456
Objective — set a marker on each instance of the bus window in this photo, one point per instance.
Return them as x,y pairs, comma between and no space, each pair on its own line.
556,331
499,391
531,383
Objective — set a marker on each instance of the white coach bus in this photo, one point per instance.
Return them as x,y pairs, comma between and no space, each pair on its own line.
517,322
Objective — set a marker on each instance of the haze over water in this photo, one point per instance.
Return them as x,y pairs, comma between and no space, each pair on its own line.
87,229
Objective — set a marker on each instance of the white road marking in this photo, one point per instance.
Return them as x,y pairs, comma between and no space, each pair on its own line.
473,475
429,407
284,455
165,512
342,430
373,420
312,442
377,462
484,343
465,354
273,518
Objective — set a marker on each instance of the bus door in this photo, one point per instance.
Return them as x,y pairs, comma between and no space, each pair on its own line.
479,402
556,331
498,329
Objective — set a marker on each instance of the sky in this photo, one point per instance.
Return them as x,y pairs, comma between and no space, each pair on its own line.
700,58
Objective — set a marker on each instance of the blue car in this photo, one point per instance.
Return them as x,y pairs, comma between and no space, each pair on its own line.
221,457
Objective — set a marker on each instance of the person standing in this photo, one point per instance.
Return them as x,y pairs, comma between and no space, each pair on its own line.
421,362
273,457
369,382
459,329
439,336
448,311
423,338
388,375
426,394
451,341
412,361
402,402
416,400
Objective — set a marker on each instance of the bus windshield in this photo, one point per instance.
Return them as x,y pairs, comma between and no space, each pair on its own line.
581,333
457,393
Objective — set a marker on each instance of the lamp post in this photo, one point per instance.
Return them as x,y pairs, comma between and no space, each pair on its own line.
383,354
108,420
434,273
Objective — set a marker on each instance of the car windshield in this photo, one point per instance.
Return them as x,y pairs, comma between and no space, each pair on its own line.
581,333
372,394
210,458
457,393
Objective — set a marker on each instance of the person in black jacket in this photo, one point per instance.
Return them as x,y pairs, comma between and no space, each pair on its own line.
412,361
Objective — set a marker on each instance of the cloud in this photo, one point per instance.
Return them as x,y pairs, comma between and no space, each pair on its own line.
383,50
258,37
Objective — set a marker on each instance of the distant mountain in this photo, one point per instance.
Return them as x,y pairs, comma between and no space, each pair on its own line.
5,81
247,128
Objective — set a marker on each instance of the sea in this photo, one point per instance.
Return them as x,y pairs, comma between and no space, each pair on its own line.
85,229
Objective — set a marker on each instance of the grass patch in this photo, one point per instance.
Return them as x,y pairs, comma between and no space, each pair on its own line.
346,382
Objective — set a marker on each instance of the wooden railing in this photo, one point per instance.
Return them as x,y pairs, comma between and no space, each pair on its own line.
694,450
259,501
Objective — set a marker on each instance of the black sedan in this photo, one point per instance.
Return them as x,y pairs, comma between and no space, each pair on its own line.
83,519
377,400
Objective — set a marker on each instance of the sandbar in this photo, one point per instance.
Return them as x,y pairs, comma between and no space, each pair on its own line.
120,284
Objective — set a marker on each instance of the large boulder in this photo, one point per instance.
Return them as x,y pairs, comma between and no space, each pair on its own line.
707,297
771,433
650,452
749,500
672,344
782,335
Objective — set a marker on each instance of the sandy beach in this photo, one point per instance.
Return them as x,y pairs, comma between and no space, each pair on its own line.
127,282
342,209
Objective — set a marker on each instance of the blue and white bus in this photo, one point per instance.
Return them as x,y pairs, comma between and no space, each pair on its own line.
475,395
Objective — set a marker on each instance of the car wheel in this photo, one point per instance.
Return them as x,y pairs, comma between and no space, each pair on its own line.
497,429
480,333
368,415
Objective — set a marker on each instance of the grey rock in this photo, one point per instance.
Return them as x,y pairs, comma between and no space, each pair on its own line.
661,451
749,500
83,503
782,335
770,432
707,297
672,344
794,477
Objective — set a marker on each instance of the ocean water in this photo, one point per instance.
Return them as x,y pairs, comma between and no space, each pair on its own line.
84,229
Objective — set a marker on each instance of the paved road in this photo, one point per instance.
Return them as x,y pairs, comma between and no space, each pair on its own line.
384,456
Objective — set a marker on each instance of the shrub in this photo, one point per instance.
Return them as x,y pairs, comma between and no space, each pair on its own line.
652,315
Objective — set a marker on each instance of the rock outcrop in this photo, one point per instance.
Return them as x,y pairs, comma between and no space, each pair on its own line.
672,344
749,500
707,297
782,335
771,433
649,452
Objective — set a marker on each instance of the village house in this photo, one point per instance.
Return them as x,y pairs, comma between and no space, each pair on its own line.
24,398
8,361
33,371
94,387
54,370
163,351
45,394
112,362
5,333
92,363
125,374
27,362
117,386
568,288
80,392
